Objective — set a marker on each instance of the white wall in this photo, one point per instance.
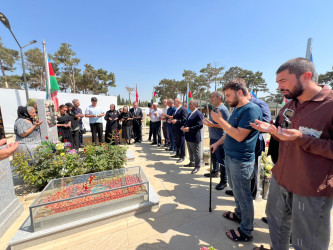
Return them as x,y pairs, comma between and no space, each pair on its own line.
10,99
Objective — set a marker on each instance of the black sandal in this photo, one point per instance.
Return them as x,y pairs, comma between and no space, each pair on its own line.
242,238
234,217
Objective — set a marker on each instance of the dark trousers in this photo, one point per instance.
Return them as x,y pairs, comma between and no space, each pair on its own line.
218,161
166,134
76,139
171,137
150,130
137,131
80,138
156,127
180,144
96,128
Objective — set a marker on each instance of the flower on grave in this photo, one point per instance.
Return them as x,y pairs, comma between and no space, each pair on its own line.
85,150
56,141
59,146
46,137
62,154
60,133
72,151
65,140
268,167
67,144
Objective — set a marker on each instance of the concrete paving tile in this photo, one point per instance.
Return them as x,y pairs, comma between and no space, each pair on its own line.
140,232
44,246
90,234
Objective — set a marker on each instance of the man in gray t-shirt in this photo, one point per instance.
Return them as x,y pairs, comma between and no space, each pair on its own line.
216,133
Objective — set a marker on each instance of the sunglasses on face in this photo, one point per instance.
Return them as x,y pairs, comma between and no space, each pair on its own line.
287,114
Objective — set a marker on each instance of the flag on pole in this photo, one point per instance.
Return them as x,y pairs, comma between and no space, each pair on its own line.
309,50
285,101
154,97
52,86
136,94
189,98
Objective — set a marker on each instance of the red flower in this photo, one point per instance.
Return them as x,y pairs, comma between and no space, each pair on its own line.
46,137
85,150
65,140
60,133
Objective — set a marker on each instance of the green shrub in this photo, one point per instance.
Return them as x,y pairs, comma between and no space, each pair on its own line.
54,160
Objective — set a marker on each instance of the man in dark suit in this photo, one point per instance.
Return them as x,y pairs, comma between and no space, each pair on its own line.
192,128
178,121
137,116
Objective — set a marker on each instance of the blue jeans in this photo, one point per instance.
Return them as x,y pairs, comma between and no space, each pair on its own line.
239,178
218,161
171,137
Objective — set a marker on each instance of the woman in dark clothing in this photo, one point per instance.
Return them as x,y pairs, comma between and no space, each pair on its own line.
112,126
127,128
64,125
74,126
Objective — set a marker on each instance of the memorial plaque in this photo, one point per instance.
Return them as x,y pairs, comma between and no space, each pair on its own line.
46,113
10,207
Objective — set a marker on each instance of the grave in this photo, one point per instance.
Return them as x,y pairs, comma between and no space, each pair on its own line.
46,113
10,207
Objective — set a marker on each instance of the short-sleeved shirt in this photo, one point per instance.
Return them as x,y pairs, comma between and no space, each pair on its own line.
241,118
165,110
156,118
21,126
91,110
217,133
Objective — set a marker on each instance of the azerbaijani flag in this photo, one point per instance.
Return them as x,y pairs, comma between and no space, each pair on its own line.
285,101
189,98
137,95
54,87
154,96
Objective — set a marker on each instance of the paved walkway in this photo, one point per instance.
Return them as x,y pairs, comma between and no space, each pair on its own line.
181,222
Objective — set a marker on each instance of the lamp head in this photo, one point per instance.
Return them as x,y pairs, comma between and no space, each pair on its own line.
4,20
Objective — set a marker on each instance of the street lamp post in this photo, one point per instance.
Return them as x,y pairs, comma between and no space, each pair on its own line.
5,22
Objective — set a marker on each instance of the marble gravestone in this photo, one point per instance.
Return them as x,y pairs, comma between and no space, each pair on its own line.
47,114
10,207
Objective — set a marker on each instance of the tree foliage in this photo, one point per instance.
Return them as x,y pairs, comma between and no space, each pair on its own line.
326,79
8,58
34,62
254,81
167,88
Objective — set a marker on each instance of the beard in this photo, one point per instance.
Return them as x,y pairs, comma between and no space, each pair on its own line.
234,102
296,91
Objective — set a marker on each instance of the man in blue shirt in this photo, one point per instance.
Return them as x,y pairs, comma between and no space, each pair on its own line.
216,133
239,146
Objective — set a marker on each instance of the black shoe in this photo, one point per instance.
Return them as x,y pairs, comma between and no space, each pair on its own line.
221,186
168,149
174,156
181,159
139,141
229,192
159,145
189,165
214,174
195,170
264,219
154,143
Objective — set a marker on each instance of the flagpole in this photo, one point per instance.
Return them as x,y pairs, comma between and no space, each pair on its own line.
47,73
308,54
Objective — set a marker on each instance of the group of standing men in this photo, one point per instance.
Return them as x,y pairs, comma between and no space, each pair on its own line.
301,191
178,125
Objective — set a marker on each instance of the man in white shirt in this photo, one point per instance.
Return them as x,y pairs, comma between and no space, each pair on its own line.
95,114
155,119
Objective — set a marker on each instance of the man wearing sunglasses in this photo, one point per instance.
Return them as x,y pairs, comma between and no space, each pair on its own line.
301,190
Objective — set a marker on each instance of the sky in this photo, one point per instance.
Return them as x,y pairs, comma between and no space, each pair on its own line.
143,42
